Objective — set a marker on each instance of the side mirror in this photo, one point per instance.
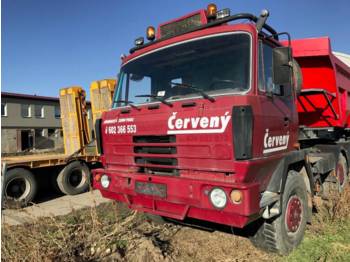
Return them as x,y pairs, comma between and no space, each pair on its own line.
281,58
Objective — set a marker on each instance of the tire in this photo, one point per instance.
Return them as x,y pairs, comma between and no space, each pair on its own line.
53,182
74,178
342,173
20,186
335,182
284,233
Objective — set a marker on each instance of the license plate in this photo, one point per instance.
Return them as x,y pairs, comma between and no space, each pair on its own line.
150,189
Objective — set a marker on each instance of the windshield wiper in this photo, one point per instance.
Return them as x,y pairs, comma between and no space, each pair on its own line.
130,103
158,98
200,91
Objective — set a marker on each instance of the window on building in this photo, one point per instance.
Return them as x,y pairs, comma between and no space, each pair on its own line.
57,112
3,109
26,110
50,132
39,132
39,111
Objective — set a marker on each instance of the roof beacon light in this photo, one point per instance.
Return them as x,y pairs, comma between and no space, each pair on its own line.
139,41
151,33
211,11
223,13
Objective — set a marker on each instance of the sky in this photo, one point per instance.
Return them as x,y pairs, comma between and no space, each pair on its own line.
50,44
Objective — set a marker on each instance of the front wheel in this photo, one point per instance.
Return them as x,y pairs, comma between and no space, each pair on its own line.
284,233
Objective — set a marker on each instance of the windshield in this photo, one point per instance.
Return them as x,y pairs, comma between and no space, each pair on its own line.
216,65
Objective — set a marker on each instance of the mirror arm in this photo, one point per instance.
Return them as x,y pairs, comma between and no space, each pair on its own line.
283,33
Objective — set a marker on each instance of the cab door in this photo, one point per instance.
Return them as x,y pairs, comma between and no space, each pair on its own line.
278,116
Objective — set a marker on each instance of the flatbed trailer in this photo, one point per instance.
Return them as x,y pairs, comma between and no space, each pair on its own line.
68,172
45,160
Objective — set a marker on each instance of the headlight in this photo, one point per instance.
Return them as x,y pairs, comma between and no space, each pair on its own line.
105,181
218,198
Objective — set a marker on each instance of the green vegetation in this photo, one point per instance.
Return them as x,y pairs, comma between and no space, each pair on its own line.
328,239
331,244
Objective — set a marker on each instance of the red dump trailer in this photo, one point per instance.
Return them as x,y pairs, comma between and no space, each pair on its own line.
215,119
325,99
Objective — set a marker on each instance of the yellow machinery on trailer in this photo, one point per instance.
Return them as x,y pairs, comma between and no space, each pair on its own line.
69,171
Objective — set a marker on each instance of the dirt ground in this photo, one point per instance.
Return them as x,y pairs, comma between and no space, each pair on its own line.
112,232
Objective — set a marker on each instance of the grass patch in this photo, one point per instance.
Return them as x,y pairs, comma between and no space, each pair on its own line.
331,244
328,238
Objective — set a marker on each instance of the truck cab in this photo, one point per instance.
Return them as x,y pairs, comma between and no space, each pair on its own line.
204,122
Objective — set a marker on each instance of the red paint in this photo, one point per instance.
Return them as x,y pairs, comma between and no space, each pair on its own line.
207,160
340,174
294,214
321,69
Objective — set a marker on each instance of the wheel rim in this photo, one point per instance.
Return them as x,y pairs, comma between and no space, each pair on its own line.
77,178
18,189
294,214
340,173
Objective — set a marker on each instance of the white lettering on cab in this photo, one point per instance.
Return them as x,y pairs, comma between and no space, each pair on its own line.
198,125
275,143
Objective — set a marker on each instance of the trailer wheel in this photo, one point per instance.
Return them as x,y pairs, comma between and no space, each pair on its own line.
74,178
20,186
284,233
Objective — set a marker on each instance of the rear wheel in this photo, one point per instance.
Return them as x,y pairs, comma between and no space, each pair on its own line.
336,180
342,172
74,178
20,186
284,233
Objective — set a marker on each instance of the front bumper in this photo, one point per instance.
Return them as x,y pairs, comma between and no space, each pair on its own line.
185,197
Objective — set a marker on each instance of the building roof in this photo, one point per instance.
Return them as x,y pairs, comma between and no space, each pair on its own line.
343,57
33,97
26,96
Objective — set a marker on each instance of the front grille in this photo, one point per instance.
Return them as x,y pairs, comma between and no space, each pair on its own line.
154,139
156,155
154,150
156,161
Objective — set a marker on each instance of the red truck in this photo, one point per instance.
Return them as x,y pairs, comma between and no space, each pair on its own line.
216,119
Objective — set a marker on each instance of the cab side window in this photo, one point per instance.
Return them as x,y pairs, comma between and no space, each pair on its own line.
265,70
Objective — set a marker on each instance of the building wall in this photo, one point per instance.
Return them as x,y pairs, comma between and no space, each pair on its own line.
45,133
14,117
8,140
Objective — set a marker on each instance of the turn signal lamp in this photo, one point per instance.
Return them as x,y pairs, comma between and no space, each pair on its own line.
211,11
151,33
236,196
97,178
